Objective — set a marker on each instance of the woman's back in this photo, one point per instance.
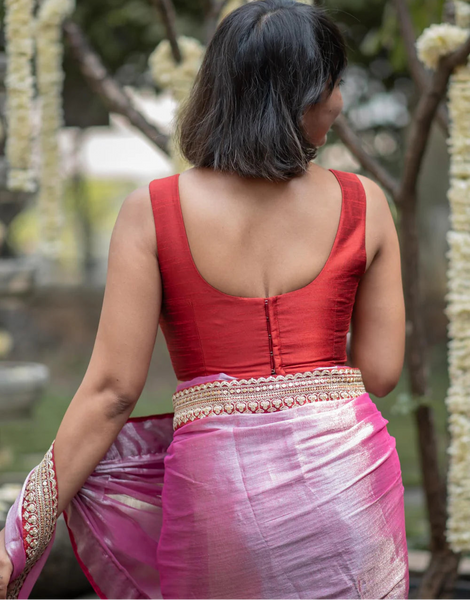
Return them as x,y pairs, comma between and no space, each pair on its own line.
260,278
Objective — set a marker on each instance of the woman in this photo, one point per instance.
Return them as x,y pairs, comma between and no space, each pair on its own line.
275,477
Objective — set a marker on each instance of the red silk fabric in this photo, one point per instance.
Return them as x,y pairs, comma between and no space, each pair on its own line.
208,331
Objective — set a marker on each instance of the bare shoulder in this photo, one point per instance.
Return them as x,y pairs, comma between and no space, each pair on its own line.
376,200
380,226
135,220
378,209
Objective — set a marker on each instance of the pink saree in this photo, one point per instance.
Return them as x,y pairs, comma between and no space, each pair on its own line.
277,487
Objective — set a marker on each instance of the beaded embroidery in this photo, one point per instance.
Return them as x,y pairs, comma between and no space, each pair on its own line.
265,394
39,515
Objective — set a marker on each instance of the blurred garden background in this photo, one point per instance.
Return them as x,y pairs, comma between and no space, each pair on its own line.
105,152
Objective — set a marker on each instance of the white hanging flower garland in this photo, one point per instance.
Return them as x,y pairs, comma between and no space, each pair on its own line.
50,79
458,312
177,78
435,42
19,82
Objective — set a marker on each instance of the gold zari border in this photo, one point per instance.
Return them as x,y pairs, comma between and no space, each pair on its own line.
265,394
39,516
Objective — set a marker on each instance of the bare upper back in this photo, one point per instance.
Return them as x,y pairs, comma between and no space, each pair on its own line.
254,238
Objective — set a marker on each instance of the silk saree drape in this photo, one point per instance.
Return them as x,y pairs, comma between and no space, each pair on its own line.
291,493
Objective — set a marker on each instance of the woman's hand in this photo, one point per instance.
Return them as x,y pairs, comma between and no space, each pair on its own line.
6,567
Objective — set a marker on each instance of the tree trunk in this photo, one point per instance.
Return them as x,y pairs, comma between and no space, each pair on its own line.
439,577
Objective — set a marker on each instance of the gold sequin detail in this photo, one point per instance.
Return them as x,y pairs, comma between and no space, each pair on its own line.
39,512
265,394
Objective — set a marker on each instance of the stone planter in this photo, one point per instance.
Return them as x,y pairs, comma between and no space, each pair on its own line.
17,276
21,386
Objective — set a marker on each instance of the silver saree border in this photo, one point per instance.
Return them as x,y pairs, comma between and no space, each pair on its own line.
39,516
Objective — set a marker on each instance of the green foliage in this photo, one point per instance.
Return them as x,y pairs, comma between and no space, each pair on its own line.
120,30
386,35
126,32
372,28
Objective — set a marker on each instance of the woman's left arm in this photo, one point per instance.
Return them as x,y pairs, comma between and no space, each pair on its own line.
123,348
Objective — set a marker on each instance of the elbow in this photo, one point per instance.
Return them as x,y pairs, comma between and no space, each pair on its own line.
110,403
380,372
380,381
381,388
119,406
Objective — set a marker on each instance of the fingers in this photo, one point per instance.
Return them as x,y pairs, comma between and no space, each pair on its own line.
6,567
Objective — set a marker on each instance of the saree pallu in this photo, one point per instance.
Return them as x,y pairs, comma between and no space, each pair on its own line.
279,487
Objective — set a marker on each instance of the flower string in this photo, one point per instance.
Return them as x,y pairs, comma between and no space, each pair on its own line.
439,40
19,83
50,79
458,311
177,78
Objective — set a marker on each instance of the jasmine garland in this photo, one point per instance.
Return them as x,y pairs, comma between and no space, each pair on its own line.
19,82
50,78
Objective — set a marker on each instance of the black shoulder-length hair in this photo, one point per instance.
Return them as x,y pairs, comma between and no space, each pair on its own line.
268,61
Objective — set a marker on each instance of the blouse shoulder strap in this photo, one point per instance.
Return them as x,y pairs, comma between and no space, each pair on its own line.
166,209
353,214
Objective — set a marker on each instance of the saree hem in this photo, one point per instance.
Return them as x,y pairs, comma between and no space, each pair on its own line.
84,568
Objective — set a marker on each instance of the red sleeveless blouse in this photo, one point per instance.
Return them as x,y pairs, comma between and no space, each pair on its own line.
208,331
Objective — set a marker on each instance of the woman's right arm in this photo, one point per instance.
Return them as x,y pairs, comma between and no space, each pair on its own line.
378,321
121,355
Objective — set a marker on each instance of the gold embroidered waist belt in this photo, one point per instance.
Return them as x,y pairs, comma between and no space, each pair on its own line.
265,394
